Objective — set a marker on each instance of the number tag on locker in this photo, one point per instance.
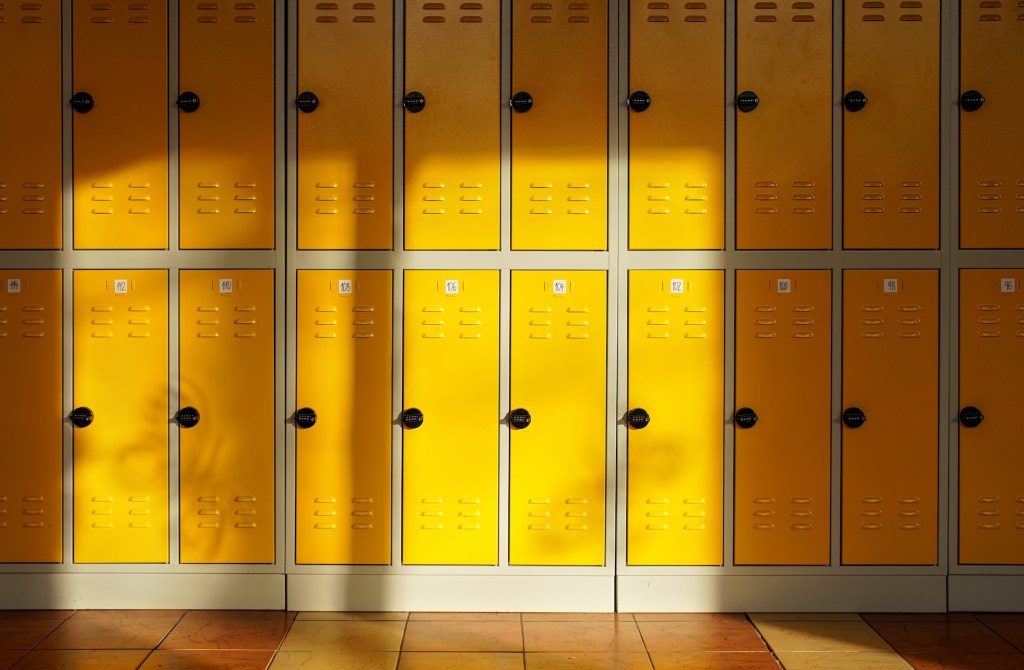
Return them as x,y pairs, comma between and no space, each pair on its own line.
13,286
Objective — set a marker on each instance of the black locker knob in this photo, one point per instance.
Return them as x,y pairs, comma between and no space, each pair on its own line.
412,418
854,101
414,101
188,417
306,417
970,417
639,101
971,101
521,102
81,417
307,101
638,418
853,417
519,418
745,417
747,101
81,102
188,101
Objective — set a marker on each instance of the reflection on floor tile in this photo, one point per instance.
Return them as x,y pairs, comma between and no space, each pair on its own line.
705,617
82,659
1012,632
821,636
920,616
693,636
805,616
588,661
352,616
913,637
577,616
464,616
842,660
433,660
25,634
714,660
954,661
344,636
334,660
108,633
208,659
463,636
230,630
595,636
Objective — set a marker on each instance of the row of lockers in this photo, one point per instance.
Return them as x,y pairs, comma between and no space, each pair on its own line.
559,147
558,425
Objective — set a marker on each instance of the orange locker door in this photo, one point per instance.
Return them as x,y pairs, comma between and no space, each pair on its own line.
344,125
676,125
226,124
891,125
30,131
30,412
991,175
452,125
120,125
890,417
226,416
784,125
991,369
783,417
343,419
120,416
559,125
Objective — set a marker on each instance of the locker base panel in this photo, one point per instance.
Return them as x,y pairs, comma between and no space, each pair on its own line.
986,593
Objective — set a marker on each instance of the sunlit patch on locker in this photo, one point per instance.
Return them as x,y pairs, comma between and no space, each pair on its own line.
120,416
674,417
783,417
450,418
890,417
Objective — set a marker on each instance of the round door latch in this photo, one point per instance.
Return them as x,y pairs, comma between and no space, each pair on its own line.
81,102
307,101
414,101
745,417
188,417
412,418
854,101
639,101
853,417
306,417
971,101
970,417
521,102
519,418
81,417
188,101
747,101
638,418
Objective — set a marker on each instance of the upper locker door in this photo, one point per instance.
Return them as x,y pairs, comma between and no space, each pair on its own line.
784,125
343,419
226,125
559,397
345,124
226,416
121,413
676,348
676,125
120,125
890,417
30,133
991,369
991,175
891,125
783,417
560,125
450,418
452,125
30,412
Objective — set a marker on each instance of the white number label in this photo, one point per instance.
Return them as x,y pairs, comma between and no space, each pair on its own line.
344,286
14,286
676,286
451,286
890,285
559,287
120,286
1008,284
226,285
785,286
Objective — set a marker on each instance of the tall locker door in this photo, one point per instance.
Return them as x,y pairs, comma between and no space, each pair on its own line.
991,369
891,125
450,418
344,124
31,414
676,125
120,416
991,174
120,125
560,125
890,417
783,417
226,416
558,417
226,124
31,161
343,419
676,357
784,125
452,125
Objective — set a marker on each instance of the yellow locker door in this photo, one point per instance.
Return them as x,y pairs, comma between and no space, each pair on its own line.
343,419
891,125
991,369
120,124
450,418
226,416
783,417
558,390
676,125
120,416
559,125
226,124
890,417
676,357
344,125
452,125
991,176
784,125
30,131
30,411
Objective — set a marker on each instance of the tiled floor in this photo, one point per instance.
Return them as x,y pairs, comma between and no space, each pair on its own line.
223,640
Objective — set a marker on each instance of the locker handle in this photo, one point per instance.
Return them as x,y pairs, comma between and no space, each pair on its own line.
414,101
971,416
81,417
305,417
854,101
412,418
971,101
81,102
745,417
639,101
519,418
188,101
188,417
853,417
521,102
307,101
638,418
747,101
